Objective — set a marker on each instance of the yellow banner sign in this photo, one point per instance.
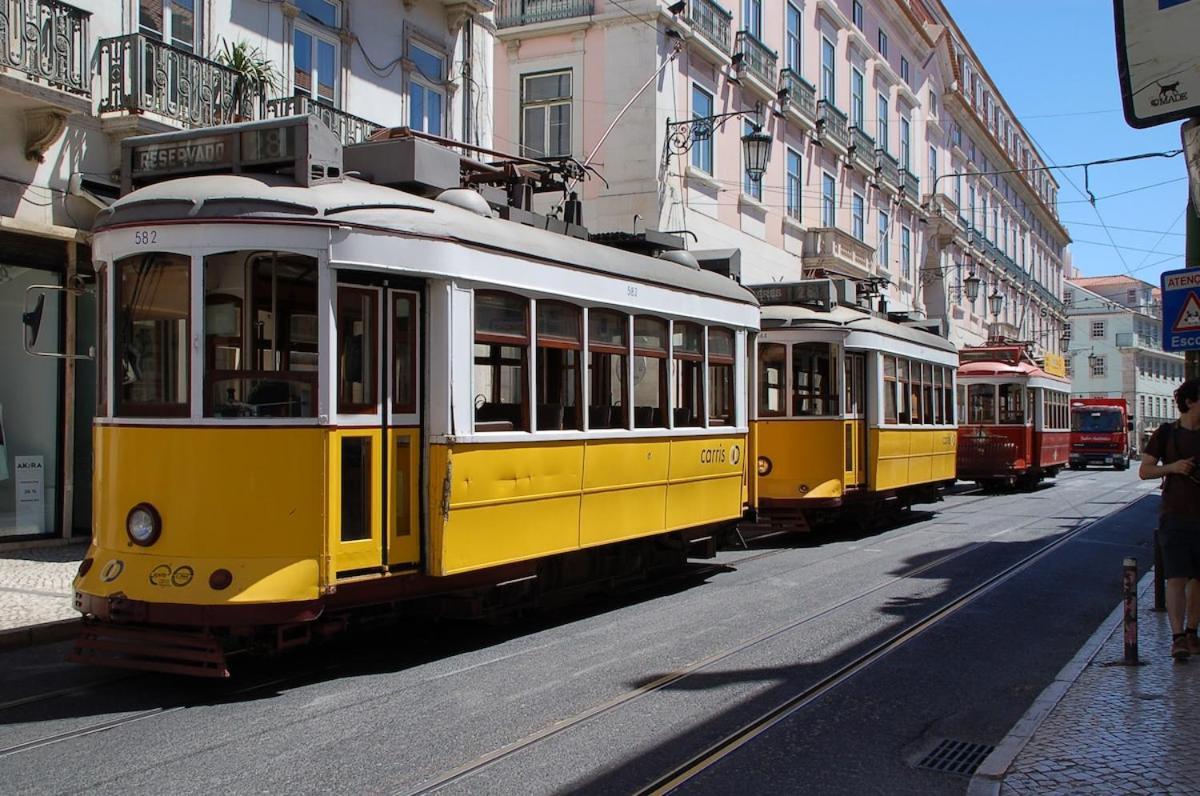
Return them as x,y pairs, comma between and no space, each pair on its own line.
1055,365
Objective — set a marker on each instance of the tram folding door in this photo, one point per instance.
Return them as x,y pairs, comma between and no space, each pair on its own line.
854,390
375,452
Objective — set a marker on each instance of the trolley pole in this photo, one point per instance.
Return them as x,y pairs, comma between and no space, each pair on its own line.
1129,588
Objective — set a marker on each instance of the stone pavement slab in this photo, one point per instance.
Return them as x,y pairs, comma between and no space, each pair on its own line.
35,586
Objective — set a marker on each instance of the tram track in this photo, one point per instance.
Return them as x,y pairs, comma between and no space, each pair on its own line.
490,759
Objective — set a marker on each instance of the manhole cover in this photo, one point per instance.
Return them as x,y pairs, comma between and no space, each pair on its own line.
956,757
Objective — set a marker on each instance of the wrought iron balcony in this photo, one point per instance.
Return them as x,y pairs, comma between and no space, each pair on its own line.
911,184
349,128
141,75
800,93
48,41
756,56
511,13
712,21
832,123
887,168
862,146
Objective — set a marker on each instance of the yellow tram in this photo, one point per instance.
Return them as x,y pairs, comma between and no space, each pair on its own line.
851,410
320,393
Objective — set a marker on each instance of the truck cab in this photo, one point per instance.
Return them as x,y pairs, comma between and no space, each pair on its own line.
1100,433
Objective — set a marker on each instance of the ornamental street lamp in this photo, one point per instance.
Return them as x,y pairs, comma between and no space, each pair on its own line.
971,285
756,145
996,302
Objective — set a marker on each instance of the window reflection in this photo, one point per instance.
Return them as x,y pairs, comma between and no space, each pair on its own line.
152,357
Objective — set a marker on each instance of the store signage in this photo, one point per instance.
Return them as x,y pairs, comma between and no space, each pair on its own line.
1055,365
31,500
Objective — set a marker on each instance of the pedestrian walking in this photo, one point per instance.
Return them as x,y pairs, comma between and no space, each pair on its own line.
1177,446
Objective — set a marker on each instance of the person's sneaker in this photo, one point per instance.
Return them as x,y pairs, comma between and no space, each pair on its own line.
1193,641
1179,647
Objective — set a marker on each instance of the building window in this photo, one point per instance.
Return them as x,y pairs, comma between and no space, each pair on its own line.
884,250
828,85
702,149
608,358
1097,363
933,170
752,188
558,373
1098,329
881,126
905,253
794,36
856,217
170,21
795,185
856,98
828,200
501,362
905,144
546,115
904,69
752,17
883,42
315,63
426,97
856,13
687,374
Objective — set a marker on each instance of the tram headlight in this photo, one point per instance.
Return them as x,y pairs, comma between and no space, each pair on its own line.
764,465
143,524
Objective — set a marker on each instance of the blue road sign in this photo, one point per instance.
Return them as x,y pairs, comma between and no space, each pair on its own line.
1181,310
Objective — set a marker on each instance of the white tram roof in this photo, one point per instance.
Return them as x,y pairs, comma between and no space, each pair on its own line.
354,202
850,320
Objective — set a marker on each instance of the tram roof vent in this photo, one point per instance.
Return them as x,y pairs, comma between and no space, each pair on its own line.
408,164
681,257
468,200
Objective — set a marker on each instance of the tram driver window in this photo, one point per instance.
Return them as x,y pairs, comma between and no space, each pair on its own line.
501,357
772,364
649,372
260,335
814,392
981,403
720,377
687,374
152,334
1012,404
608,362
558,351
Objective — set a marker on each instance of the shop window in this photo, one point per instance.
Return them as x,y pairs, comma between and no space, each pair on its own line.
649,372
404,353
559,348
891,389
357,344
772,370
152,329
814,391
260,335
1012,404
608,363
501,359
687,374
981,403
720,378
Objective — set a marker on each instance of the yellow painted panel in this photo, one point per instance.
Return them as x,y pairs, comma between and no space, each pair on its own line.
693,503
807,458
503,532
904,457
491,473
184,579
614,463
404,485
355,554
622,514
705,457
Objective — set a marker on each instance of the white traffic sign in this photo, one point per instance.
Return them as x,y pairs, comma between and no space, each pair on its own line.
1158,59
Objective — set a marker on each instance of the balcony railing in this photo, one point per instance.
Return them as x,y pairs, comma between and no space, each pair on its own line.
48,41
800,92
510,13
911,184
863,147
757,57
348,128
832,123
887,167
712,21
141,75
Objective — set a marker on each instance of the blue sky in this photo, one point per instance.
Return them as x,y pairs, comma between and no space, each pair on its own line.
1055,63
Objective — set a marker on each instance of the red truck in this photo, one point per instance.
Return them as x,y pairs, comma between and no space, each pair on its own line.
1100,433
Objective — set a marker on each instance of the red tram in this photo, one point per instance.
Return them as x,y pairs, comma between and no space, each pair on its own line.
1013,416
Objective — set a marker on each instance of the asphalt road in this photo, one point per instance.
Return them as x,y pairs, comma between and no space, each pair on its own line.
609,696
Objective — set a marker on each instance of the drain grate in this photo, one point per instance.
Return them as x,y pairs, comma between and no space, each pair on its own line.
956,757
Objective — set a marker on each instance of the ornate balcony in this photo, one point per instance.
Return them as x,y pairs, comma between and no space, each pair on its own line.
48,42
347,127
511,13
862,147
831,125
758,59
801,95
712,21
911,185
140,75
887,169
838,252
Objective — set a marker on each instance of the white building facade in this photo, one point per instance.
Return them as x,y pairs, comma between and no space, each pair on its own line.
77,78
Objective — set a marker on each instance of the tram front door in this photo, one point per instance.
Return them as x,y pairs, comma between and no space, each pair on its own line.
375,452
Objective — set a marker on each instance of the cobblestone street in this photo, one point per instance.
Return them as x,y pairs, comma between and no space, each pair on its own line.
35,585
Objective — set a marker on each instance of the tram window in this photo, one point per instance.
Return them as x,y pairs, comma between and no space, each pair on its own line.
102,341
928,416
356,488
1012,404
814,391
981,401
903,379
891,387
687,374
939,387
772,361
404,353
559,346
853,389
152,330
608,358
501,356
962,404
914,393
649,372
260,335
720,377
951,417
357,336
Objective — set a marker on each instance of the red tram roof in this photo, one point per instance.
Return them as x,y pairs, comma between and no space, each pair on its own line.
998,361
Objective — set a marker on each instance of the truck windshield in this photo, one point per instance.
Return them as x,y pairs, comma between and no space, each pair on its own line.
1094,421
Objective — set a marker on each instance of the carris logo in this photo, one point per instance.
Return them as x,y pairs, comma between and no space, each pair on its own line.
1168,94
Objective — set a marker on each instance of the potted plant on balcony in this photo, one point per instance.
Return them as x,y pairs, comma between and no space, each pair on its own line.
254,77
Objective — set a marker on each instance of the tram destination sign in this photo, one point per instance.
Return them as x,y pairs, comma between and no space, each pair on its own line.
1181,310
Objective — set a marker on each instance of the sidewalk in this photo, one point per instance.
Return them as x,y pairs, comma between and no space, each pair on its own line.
35,593
1102,727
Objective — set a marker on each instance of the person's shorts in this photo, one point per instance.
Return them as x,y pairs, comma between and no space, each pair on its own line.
1179,539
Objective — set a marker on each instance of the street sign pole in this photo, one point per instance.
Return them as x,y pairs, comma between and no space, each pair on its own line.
1191,259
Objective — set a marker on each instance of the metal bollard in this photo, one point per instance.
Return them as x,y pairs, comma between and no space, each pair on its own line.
1129,583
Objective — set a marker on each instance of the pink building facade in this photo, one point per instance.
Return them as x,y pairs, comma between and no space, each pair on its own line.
886,138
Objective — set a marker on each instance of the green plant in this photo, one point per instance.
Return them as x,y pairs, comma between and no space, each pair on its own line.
256,73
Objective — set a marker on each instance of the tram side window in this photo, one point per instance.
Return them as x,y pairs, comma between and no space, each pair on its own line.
904,378
928,415
963,416
948,398
687,374
152,352
102,341
608,352
814,390
772,364
260,335
1012,404
559,347
720,377
649,372
891,387
915,383
981,403
939,391
501,359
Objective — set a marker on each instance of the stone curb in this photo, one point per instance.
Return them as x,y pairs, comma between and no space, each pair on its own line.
990,775
41,633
